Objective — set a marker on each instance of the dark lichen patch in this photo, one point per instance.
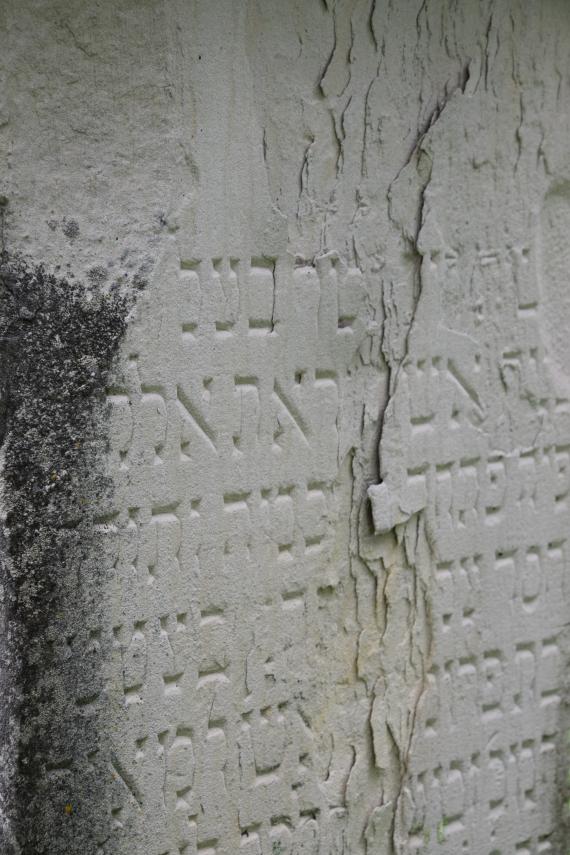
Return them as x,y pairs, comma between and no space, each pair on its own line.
70,228
98,275
58,340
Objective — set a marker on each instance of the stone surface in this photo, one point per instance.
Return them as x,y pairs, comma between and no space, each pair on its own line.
312,595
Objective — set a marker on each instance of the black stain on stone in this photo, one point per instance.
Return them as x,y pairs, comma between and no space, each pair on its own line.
58,340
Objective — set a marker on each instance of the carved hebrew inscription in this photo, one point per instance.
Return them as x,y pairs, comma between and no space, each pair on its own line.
488,476
226,451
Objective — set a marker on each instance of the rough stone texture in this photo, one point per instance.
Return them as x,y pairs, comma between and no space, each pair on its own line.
323,572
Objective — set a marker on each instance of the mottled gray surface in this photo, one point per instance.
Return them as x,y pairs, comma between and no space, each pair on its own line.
303,585
57,345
